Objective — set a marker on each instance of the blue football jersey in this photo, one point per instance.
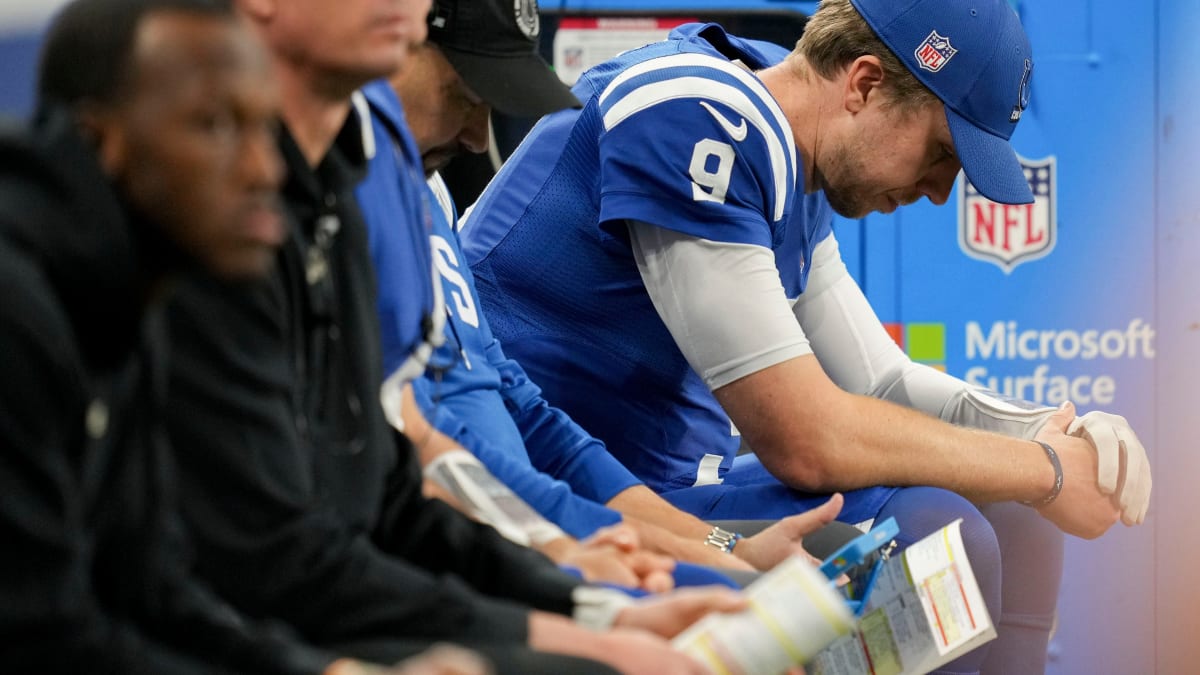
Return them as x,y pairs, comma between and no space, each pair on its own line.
394,205
475,394
679,134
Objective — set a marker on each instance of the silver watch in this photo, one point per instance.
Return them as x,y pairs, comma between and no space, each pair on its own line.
722,540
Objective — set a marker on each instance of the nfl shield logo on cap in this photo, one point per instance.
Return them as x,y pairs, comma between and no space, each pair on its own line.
934,52
1007,235
975,57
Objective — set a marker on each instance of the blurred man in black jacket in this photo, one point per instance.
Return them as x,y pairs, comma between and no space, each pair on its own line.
152,151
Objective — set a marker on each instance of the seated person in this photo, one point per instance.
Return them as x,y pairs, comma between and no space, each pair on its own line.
122,182
483,400
662,264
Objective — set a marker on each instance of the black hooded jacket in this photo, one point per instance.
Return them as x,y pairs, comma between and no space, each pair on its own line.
94,573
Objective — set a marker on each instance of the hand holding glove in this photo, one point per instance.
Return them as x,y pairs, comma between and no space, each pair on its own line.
1123,470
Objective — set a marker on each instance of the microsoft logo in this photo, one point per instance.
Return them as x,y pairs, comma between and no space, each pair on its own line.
923,342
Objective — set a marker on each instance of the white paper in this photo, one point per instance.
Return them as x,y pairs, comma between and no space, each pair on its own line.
794,614
925,611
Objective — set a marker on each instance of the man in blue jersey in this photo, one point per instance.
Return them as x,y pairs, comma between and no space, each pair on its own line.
473,394
661,262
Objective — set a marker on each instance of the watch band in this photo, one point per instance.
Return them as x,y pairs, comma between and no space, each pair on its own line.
722,540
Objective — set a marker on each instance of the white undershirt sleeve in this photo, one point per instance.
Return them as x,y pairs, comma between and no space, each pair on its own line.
858,354
727,311
723,303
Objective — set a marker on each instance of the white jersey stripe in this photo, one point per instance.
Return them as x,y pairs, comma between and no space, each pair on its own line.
441,194
652,94
741,74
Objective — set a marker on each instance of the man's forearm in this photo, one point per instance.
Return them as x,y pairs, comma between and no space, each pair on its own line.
559,635
643,504
814,436
665,529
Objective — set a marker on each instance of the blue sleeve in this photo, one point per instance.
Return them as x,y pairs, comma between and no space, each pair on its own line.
553,499
556,444
685,575
696,145
811,223
393,204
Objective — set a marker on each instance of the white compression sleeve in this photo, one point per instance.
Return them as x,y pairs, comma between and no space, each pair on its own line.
862,358
723,303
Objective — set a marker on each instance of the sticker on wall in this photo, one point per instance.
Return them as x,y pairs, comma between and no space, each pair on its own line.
1007,235
583,42
923,342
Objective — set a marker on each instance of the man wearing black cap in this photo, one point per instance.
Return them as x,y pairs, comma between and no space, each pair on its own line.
662,264
497,45
493,46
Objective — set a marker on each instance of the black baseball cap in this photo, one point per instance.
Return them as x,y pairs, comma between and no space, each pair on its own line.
493,46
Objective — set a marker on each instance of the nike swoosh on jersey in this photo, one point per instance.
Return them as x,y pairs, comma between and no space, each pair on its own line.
737,133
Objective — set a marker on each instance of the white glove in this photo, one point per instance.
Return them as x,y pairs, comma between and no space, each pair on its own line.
1116,444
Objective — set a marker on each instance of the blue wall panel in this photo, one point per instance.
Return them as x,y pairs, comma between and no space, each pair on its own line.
1177,280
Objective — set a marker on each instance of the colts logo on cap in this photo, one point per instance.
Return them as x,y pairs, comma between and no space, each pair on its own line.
527,17
1023,94
935,52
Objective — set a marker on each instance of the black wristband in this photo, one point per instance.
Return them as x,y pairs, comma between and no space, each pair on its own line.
1058,477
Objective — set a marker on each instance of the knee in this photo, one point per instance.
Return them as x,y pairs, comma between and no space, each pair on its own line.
1024,533
983,548
979,538
921,511
1032,548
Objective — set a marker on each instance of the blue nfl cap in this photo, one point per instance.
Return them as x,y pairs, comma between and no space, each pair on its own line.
975,57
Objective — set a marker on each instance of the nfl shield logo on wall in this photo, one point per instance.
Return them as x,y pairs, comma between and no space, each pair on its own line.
1010,234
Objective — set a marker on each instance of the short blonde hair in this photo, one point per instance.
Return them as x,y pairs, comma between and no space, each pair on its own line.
836,34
